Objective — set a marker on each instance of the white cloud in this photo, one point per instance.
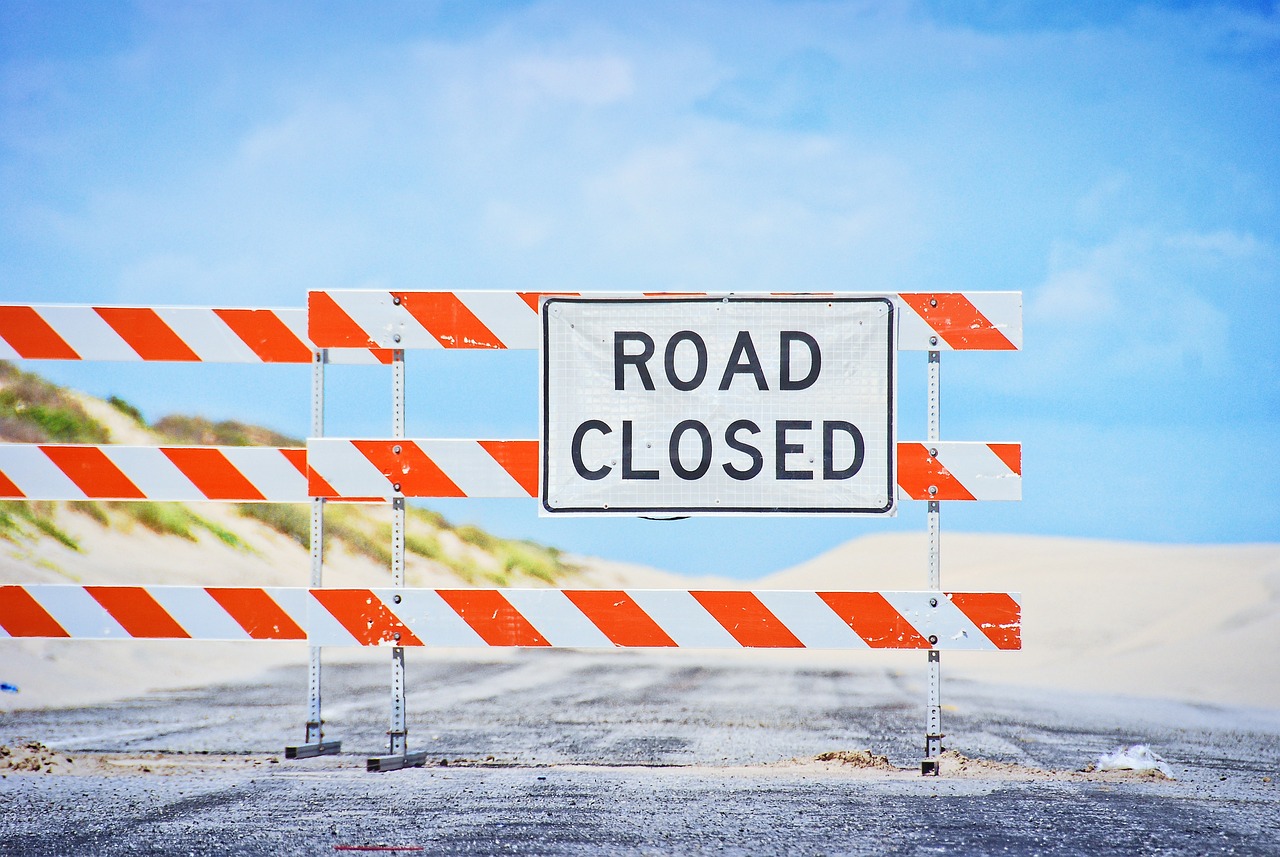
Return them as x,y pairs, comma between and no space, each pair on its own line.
593,81
1144,304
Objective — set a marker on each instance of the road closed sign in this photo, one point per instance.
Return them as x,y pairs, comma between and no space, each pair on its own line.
724,405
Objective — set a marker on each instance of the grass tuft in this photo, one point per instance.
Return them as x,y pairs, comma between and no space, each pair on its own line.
91,509
288,519
166,519
13,513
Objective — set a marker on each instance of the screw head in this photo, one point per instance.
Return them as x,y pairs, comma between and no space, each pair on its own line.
395,338
396,486
933,602
396,599
933,641
933,301
396,449
933,340
933,451
933,489
397,636
396,301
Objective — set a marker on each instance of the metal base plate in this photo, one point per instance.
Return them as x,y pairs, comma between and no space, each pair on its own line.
416,759
307,751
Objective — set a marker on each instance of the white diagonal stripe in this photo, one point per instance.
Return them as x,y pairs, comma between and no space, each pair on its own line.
954,630
556,618
346,469
35,474
430,618
86,332
78,613
322,628
270,472
207,335
382,320
914,332
156,476
1003,310
471,468
683,619
194,609
980,470
810,619
507,315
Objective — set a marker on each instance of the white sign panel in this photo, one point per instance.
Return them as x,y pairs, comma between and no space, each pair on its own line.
723,405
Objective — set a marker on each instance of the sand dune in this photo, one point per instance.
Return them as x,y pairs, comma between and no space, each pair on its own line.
1174,621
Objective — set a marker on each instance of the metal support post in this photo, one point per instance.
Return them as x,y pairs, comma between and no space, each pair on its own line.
315,744
398,755
929,766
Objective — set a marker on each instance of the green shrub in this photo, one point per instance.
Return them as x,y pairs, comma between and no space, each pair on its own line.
45,410
128,410
200,431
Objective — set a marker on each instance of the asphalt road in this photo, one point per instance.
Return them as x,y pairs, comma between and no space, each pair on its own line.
561,752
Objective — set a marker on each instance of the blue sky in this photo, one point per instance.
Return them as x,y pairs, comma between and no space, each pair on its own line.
1117,163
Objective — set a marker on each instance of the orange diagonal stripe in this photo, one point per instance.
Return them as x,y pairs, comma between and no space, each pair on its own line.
1010,454
8,488
329,326
917,470
146,333
268,336
211,471
958,322
447,319
31,336
22,616
619,617
257,612
873,619
93,472
996,614
517,457
751,623
137,612
411,469
492,617
366,617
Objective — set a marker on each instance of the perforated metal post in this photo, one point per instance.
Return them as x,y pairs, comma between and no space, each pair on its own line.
398,755
315,744
933,716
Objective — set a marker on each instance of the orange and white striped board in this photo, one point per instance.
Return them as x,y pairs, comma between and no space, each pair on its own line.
478,618
938,321
350,468
361,470
959,470
172,334
44,471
